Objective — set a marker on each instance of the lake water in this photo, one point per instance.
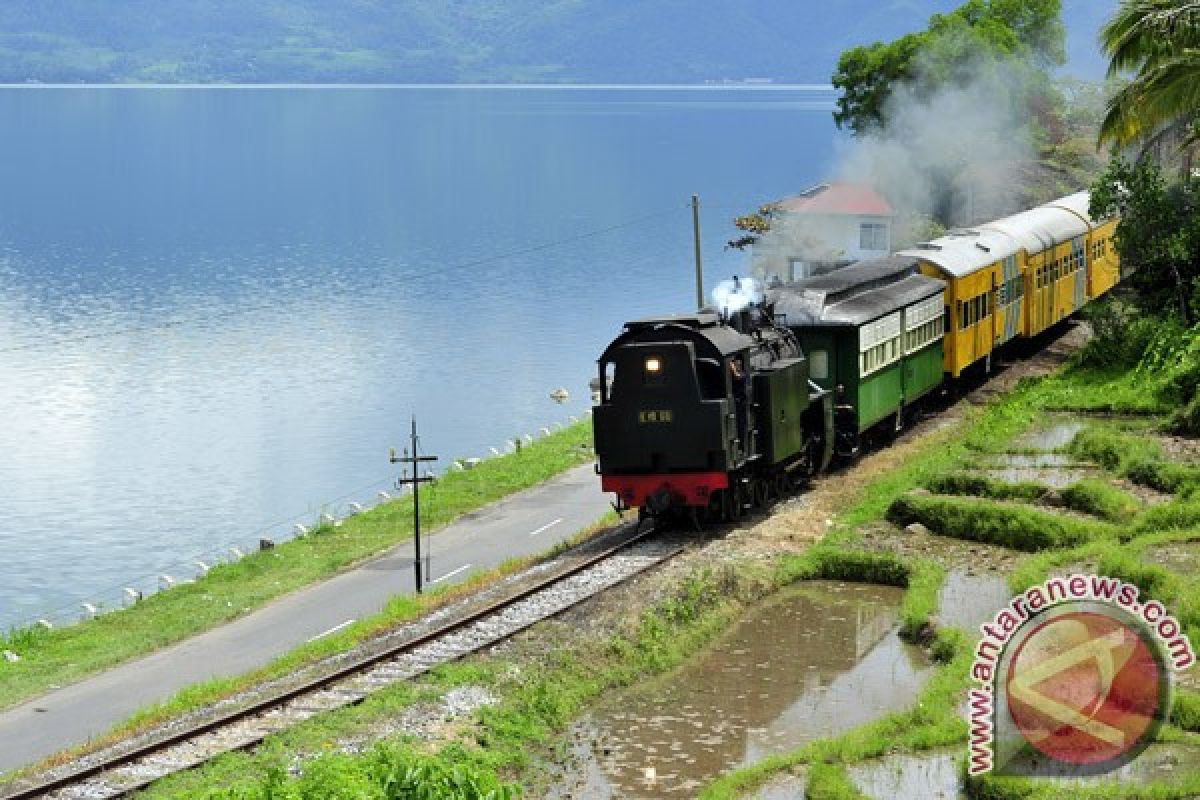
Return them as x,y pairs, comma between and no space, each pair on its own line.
218,308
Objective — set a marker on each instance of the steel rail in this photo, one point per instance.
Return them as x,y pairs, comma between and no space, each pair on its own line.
324,681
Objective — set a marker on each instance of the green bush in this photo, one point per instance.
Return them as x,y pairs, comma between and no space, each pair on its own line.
977,485
1101,499
1187,420
1120,334
1013,526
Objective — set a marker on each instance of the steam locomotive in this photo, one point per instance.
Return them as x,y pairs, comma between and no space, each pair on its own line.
714,412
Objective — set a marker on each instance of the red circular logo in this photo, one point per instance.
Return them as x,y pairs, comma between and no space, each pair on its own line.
1085,688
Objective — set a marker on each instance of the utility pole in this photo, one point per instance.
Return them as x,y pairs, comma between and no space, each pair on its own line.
696,242
416,480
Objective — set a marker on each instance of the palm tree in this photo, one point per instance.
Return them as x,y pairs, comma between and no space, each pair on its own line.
1159,40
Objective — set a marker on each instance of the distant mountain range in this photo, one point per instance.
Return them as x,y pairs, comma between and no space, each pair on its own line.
467,41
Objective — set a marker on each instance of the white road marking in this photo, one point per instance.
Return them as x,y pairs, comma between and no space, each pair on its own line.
450,574
334,629
545,527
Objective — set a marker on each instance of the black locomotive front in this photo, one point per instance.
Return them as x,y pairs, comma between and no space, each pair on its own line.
697,412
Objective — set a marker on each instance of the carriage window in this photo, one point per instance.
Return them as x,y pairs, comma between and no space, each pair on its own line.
818,365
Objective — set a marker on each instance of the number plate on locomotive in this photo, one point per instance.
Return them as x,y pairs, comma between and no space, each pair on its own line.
654,416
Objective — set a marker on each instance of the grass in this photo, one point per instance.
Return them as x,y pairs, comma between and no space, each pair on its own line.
1126,561
386,771
830,782
1089,496
1101,499
1112,449
1165,476
1004,524
992,787
1113,390
976,485
1174,515
65,655
1137,459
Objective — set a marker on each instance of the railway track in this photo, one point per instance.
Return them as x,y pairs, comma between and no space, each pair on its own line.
127,772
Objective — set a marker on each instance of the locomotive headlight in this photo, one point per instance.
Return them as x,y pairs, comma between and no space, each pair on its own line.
653,365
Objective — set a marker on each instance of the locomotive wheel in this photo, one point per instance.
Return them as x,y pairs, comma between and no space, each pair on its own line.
732,503
781,485
715,512
760,493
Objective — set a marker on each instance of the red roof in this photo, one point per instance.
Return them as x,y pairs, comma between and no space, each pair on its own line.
838,198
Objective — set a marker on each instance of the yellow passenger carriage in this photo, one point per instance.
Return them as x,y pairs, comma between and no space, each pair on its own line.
1019,275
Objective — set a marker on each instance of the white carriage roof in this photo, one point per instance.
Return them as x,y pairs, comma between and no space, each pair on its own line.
1077,203
960,253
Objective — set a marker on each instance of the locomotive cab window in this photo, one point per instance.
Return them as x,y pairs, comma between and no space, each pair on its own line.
711,377
608,384
818,365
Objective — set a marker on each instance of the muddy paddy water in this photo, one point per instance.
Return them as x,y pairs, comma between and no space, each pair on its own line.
1055,436
1036,456
969,598
815,661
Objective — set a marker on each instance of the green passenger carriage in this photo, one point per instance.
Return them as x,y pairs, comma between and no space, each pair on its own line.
873,334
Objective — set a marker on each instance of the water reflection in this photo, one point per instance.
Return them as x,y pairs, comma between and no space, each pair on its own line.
819,660
968,599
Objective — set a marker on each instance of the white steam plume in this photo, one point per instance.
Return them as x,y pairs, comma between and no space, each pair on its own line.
734,295
960,154
957,154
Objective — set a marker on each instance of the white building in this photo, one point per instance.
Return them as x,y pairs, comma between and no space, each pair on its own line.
821,229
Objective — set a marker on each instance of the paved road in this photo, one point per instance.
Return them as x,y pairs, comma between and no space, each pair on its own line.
524,524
